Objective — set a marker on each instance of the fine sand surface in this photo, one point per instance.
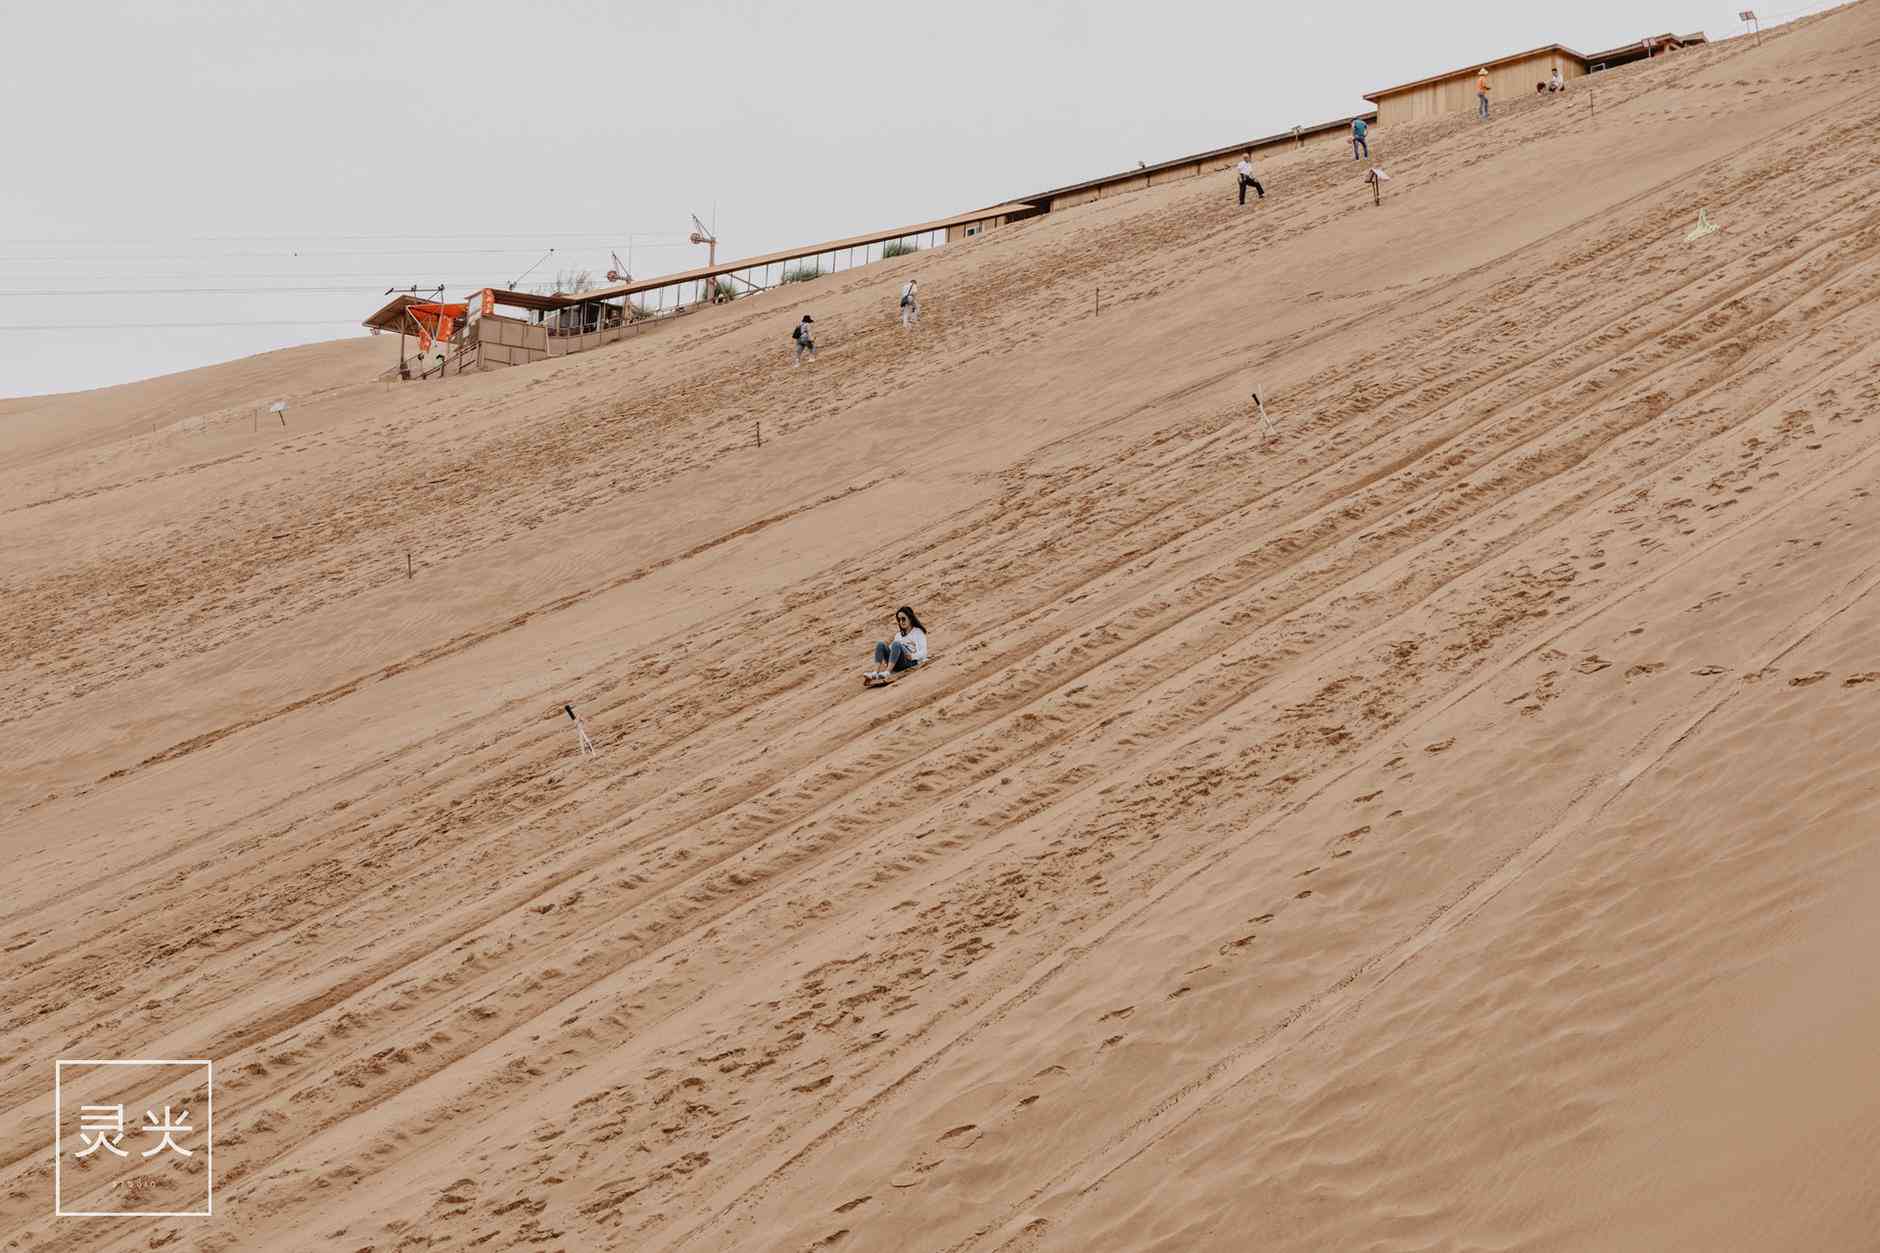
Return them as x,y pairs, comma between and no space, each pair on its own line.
1450,825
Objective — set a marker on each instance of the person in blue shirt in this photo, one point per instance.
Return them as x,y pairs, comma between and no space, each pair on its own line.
1357,139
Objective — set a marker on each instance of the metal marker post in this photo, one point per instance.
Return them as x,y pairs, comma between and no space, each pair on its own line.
1265,421
587,744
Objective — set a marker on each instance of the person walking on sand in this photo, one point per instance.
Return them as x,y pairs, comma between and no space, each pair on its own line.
1481,90
1357,139
1244,173
907,650
805,340
910,303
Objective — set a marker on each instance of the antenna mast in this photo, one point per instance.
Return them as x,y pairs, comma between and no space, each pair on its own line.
701,235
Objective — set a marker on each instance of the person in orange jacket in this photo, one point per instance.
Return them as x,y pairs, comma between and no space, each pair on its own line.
1481,90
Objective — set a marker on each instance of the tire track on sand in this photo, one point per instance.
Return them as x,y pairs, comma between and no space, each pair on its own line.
1174,1110
755,1179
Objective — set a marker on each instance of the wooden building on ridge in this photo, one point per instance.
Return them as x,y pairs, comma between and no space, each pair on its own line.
1510,77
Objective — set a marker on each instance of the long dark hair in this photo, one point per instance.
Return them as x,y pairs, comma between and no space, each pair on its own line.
914,623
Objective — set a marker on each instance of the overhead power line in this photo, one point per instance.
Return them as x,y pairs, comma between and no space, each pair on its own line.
302,252
145,326
600,237
298,252
379,276
353,289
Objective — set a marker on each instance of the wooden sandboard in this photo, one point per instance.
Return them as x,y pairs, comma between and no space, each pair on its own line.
897,676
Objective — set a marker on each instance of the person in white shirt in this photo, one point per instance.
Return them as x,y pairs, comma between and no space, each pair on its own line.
1558,83
910,303
908,649
1245,172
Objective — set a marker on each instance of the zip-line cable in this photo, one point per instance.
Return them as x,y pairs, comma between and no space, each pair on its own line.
600,238
353,290
375,252
145,326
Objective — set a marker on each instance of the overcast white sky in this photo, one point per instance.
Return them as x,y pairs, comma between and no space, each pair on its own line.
162,145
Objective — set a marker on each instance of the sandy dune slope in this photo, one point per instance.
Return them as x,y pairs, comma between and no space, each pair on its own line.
1450,825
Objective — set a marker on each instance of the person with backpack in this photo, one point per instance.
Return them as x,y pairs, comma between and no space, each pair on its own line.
1357,139
910,303
805,340
1244,172
1481,90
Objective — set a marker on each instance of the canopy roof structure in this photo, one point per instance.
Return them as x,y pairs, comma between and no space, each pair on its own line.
392,316
532,301
427,319
1636,49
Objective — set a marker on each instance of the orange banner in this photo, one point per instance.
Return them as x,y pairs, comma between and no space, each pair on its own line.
436,322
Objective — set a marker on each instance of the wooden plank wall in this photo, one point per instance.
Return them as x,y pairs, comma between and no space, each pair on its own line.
1456,94
1189,169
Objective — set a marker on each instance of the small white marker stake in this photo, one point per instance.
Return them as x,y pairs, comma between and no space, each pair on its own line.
1260,412
587,744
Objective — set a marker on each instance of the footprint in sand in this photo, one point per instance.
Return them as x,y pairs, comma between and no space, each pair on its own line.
1805,680
1855,680
1440,746
1592,663
1644,668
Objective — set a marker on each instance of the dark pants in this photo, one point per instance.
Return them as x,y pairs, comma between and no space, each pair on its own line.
894,657
1357,142
1253,183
